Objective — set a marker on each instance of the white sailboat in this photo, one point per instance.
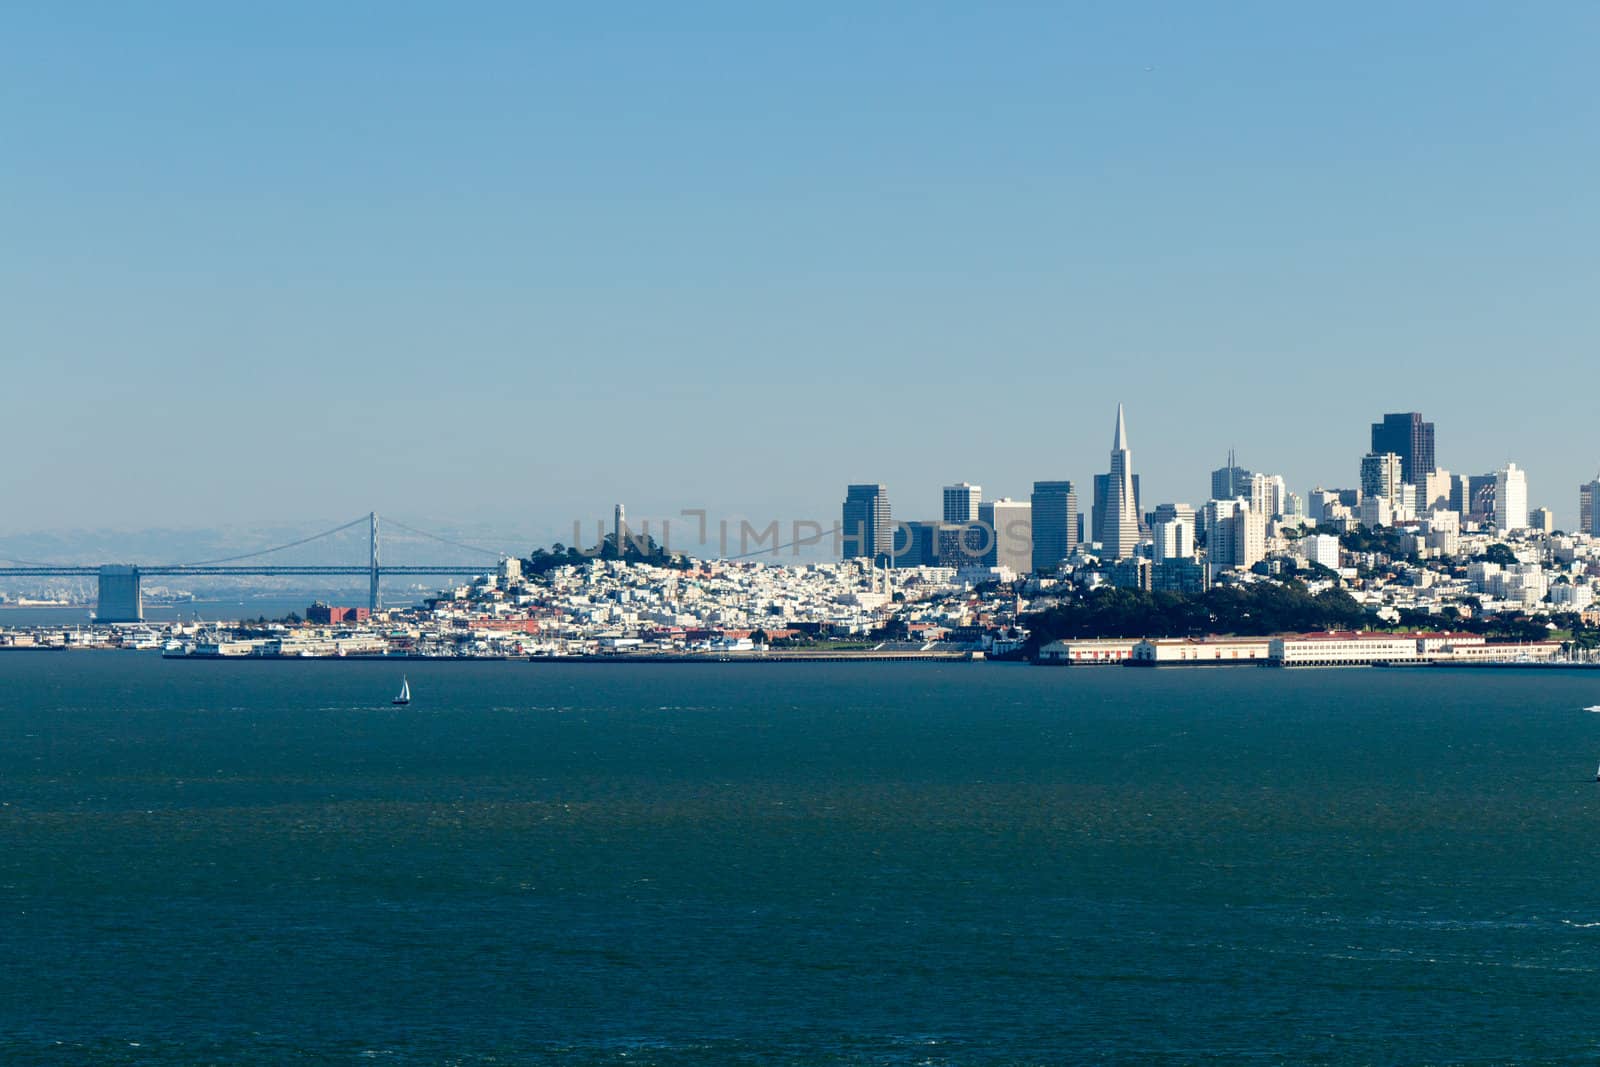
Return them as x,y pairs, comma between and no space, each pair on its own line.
405,692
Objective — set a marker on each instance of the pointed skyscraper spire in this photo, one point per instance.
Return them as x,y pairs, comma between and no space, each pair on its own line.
1120,536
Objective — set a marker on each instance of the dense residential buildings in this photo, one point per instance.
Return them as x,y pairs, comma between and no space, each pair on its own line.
1451,547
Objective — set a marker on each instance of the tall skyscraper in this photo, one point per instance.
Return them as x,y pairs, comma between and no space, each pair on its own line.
1055,524
1097,510
1589,508
961,502
868,531
1121,518
1012,525
1381,475
1408,437
1510,498
1230,481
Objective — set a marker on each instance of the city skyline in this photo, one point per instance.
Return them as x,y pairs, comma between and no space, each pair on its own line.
576,528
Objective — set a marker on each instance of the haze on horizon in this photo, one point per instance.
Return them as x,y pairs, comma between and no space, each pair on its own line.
510,265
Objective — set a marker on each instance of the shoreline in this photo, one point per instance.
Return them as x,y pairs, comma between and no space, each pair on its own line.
817,657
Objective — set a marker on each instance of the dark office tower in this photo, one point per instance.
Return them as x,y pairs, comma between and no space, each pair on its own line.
1588,508
1408,437
868,530
1480,497
1055,524
916,544
1230,481
1097,510
961,502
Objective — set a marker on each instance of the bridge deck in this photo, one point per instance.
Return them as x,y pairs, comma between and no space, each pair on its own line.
67,570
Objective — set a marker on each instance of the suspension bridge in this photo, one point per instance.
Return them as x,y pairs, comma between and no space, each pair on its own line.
120,597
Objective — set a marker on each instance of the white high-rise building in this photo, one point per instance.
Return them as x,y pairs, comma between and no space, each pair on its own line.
1437,489
1174,538
1280,495
1236,534
1510,498
1380,475
1121,538
1260,488
1249,532
1269,494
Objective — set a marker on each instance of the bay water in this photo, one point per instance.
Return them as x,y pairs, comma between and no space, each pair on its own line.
904,863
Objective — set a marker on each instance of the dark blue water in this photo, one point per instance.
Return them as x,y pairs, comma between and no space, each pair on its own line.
808,864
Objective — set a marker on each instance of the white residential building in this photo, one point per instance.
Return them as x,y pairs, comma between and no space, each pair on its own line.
1322,549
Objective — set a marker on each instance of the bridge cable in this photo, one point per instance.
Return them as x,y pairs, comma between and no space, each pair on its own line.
396,523
279,548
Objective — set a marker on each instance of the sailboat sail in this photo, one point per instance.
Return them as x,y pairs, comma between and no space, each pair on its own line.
405,692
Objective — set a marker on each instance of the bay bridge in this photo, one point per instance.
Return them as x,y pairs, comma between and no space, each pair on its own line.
120,597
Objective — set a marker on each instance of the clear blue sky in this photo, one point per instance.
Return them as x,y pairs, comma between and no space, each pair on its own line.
515,262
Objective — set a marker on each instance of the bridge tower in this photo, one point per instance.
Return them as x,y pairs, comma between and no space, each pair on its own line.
120,598
374,598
